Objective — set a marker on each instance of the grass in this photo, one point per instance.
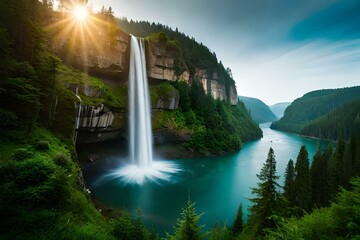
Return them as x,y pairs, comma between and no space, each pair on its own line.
42,198
115,96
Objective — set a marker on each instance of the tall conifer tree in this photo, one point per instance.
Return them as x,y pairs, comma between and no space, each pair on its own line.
289,183
337,169
302,180
187,226
318,176
238,222
265,204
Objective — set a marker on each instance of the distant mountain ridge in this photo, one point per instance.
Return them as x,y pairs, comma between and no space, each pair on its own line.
329,113
258,110
279,108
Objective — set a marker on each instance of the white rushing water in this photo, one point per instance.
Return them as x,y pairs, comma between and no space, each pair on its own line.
142,167
140,137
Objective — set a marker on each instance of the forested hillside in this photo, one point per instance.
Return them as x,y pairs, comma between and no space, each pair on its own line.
279,108
327,113
340,123
258,110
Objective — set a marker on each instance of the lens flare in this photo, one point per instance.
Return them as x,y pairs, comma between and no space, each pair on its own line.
80,13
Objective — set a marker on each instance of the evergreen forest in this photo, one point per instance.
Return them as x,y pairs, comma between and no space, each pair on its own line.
328,114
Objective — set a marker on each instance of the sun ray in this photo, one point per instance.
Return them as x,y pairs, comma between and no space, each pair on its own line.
80,13
79,34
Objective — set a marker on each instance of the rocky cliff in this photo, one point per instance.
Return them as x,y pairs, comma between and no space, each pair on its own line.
161,65
97,57
111,62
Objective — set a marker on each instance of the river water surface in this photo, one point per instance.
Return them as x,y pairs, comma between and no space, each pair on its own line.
217,184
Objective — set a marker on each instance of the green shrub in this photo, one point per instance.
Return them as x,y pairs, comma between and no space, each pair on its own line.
42,145
62,160
7,118
22,153
159,37
33,172
173,45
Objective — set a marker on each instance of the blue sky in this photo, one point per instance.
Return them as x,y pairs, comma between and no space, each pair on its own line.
277,49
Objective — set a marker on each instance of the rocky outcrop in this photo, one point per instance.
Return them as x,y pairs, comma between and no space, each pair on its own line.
97,124
161,63
170,103
85,89
97,56
171,136
111,61
212,86
233,95
94,117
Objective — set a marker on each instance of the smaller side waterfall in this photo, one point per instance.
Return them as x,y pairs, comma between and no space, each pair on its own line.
140,133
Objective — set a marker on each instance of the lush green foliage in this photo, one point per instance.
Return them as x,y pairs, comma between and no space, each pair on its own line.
40,194
339,221
258,110
216,126
331,114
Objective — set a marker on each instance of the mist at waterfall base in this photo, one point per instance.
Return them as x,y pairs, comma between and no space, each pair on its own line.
142,167
217,184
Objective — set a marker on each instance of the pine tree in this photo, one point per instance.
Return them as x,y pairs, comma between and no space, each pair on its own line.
326,160
139,231
238,222
220,232
315,178
302,181
187,227
336,173
351,159
289,193
265,204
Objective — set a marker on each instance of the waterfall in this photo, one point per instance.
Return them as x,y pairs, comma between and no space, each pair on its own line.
140,132
142,167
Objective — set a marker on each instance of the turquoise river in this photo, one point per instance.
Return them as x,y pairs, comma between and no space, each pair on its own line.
217,184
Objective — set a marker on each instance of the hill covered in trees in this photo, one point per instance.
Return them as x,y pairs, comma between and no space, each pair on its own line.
258,110
279,108
331,113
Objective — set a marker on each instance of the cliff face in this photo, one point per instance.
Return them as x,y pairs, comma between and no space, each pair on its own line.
112,62
212,86
97,57
161,65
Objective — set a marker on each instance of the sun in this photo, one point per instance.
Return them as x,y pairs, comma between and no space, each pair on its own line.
80,13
